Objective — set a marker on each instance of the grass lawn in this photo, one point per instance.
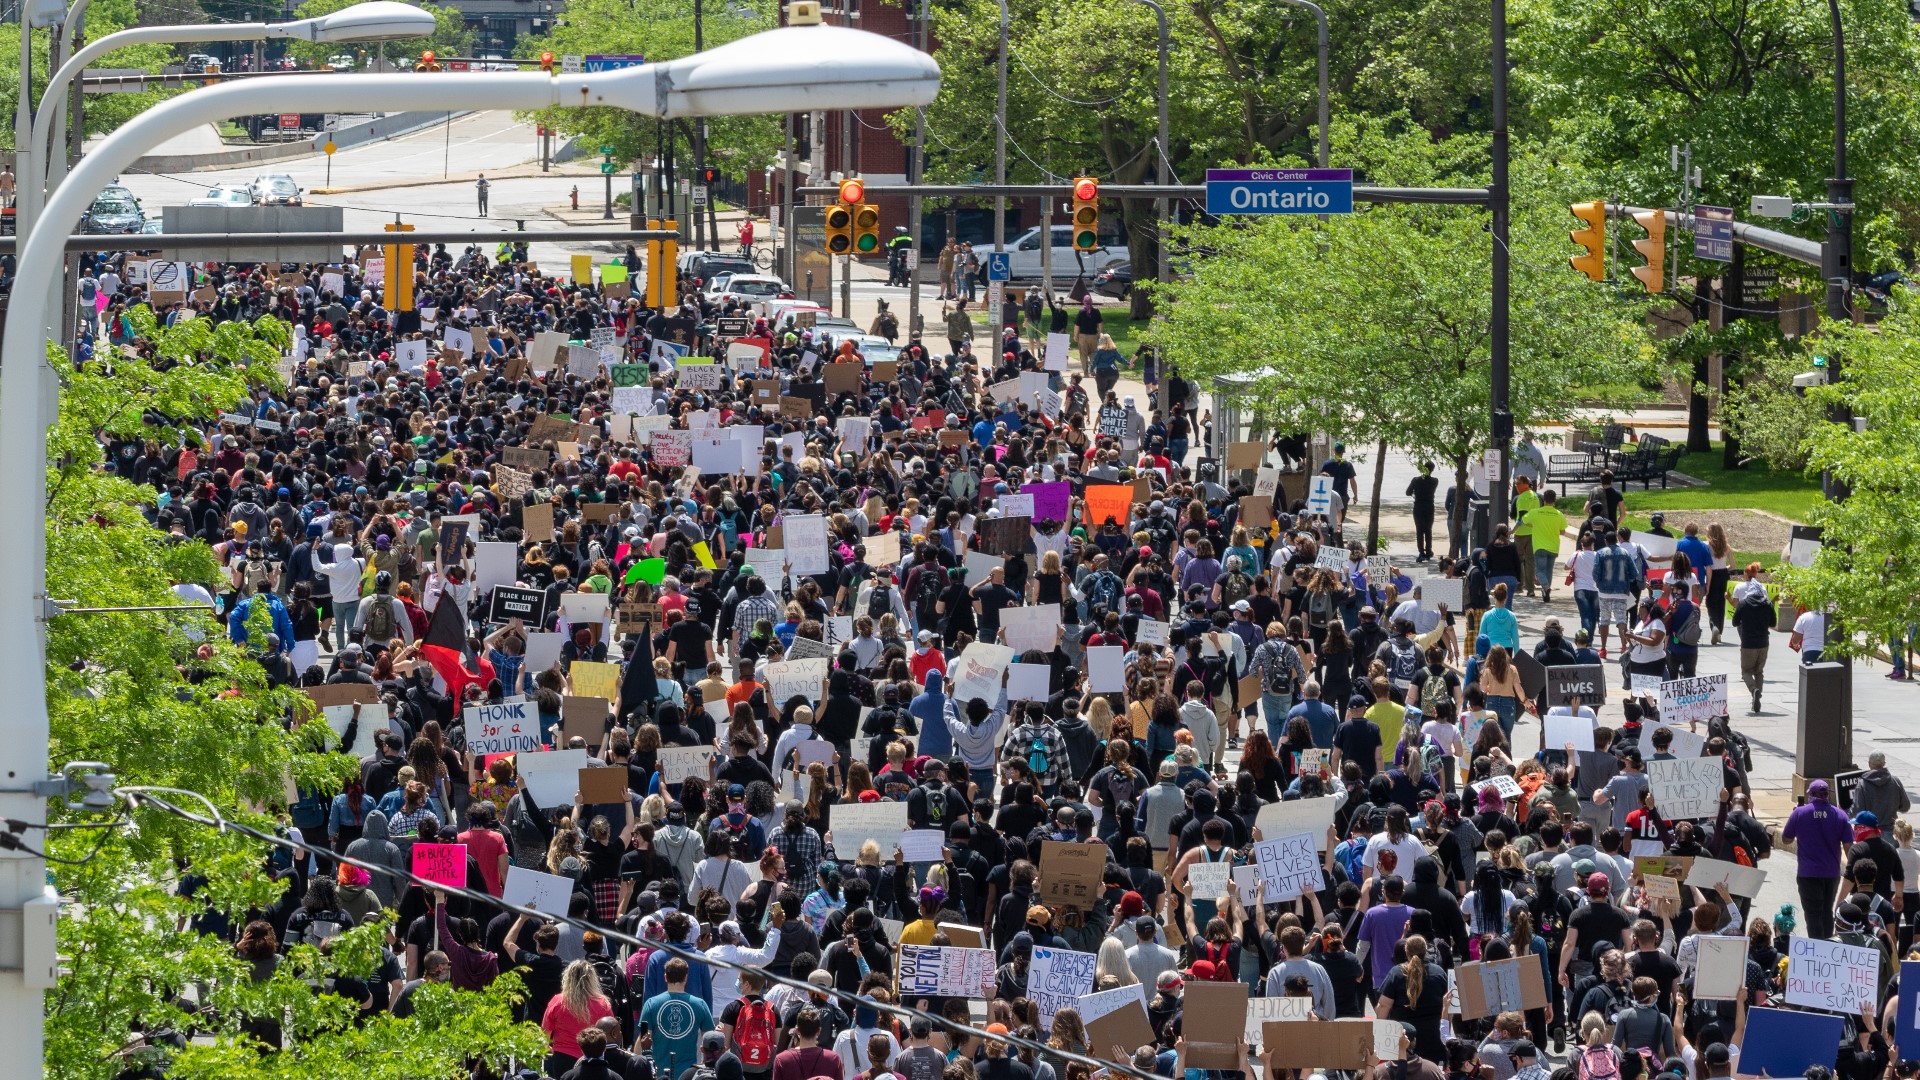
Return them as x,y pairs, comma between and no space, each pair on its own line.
1758,486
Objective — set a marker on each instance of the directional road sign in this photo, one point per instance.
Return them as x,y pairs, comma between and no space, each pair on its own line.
999,266
1279,191
596,62
1713,233
607,168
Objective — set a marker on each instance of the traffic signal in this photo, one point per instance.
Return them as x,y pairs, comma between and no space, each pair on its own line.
546,62
663,275
427,62
1654,248
840,217
1593,238
1086,213
866,229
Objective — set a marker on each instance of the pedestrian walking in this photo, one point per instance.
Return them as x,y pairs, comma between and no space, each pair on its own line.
480,188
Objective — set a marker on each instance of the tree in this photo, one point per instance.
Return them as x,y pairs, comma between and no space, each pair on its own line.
1379,323
164,699
1866,576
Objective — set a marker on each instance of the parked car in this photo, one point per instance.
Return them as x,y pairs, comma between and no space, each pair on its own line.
224,195
341,62
1115,281
708,264
113,214
750,288
275,189
1067,263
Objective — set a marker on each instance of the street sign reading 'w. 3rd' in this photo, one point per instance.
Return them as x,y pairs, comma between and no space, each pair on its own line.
1279,191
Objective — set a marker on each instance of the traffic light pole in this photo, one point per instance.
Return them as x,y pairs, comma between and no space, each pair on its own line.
997,291
1499,371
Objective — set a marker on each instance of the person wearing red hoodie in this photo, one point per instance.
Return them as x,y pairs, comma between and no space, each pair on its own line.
1822,832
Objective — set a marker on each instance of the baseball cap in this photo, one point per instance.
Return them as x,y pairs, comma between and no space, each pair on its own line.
737,791
1598,885
1718,1054
1202,970
1818,789
1145,925
1369,610
1242,605
820,979
714,1041
1358,701
1867,818
1524,1049
926,636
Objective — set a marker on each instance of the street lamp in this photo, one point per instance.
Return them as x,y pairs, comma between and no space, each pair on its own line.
377,20
1320,25
1165,164
795,68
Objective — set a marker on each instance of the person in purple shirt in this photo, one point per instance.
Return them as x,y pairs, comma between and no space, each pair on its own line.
1383,925
1822,833
1200,570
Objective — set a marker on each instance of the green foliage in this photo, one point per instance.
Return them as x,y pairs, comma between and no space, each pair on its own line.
659,30
165,700
1377,325
1868,574
1762,409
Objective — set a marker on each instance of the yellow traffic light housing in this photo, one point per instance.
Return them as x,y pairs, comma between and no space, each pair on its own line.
866,229
546,62
427,62
1654,248
839,229
1086,213
663,272
1594,238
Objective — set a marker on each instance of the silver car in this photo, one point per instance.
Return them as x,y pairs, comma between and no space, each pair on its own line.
224,195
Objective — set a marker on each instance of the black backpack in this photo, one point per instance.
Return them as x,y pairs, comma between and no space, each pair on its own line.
879,602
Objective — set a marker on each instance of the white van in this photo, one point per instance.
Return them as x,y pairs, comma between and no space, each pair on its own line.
1025,263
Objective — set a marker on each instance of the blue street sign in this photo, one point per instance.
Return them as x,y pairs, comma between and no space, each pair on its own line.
1279,191
999,266
613,63
1713,233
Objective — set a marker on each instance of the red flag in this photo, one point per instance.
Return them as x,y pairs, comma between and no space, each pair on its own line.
445,647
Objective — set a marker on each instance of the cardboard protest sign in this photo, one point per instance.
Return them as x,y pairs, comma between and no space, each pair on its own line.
1289,865
1832,975
962,935
442,864
1329,1045
1245,454
1262,1011
548,894
1720,966
1491,987
1686,787
502,729
1709,874
1781,1042
1692,701
1124,1026
524,458
603,785
1070,873
537,522
594,679
343,694
584,717
1588,682
1256,511
1056,978
945,971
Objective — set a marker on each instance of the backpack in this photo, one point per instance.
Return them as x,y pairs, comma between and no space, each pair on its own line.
1432,761
1348,855
1597,1063
879,602
1320,607
1433,691
1103,591
1615,570
755,1027
1121,790
1688,632
378,626
1235,587
1405,664
1279,679
612,986
1037,757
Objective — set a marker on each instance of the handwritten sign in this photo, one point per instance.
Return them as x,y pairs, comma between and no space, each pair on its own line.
677,763
442,864
1289,865
856,823
1692,701
1832,975
1262,1011
502,729
545,893
1056,979
1686,787
937,971
1588,682
1721,966
595,680
1070,873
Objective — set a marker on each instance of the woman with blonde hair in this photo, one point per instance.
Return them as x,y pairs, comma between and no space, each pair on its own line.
1111,963
579,1005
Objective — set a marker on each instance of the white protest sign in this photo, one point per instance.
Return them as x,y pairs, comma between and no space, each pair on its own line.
543,651
410,355
1686,787
1266,1010
1720,967
1107,669
1562,729
1438,591
1025,629
806,543
1056,978
1684,743
936,971
552,777
791,678
856,823
1029,682
922,845
1299,815
1020,505
1320,495
1290,865
503,729
1250,882
494,562
1207,880
548,894
677,763
979,564
1106,1002
976,672
1709,874
1057,352
1832,975
1658,548
459,340
1692,701
1152,632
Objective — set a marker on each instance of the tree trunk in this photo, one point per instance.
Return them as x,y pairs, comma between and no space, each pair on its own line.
1460,520
1697,440
1143,253
1732,286
1379,481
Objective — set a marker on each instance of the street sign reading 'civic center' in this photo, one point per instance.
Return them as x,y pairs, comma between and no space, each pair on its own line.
1279,191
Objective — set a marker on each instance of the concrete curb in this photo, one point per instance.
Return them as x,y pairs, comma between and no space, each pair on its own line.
513,172
386,127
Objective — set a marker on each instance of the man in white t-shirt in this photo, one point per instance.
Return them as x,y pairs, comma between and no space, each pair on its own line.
1809,636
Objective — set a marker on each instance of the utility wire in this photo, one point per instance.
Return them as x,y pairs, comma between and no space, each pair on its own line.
1035,76
138,796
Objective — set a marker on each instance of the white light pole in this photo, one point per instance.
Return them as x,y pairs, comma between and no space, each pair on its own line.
795,68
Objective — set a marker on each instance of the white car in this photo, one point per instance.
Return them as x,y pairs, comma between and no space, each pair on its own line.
749,288
224,196
1024,256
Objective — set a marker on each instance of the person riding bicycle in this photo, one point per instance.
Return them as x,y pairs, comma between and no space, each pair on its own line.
897,256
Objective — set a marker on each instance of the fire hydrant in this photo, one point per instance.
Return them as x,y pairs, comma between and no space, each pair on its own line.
574,196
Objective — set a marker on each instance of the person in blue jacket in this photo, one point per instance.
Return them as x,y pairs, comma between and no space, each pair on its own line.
282,622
